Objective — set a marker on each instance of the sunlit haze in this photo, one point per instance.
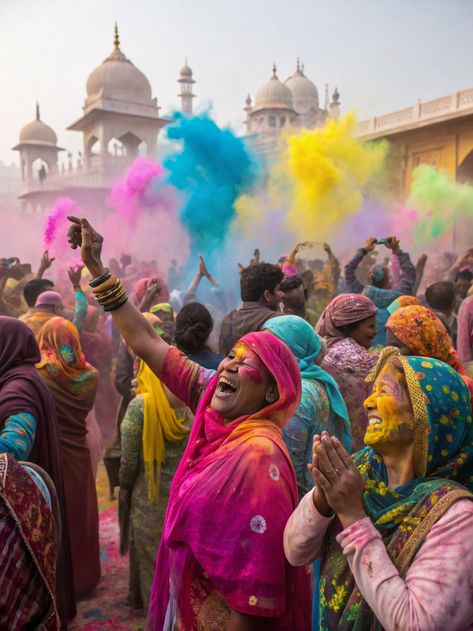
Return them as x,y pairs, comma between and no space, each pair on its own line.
381,55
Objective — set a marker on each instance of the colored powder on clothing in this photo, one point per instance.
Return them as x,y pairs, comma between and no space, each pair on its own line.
327,170
440,201
211,167
56,220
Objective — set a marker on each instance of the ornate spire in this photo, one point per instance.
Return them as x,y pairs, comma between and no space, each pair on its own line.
298,68
275,76
302,68
37,111
116,38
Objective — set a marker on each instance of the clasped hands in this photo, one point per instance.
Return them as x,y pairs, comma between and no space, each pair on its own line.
339,485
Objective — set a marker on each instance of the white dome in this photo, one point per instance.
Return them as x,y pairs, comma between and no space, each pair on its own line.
186,72
273,95
118,77
304,93
38,133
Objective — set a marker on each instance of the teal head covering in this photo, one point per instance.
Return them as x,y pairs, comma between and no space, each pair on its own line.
443,473
306,345
443,439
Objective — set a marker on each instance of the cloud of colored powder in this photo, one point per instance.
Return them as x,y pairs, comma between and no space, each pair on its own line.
323,174
440,202
212,167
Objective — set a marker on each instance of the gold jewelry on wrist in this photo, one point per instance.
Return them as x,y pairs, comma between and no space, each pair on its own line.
106,284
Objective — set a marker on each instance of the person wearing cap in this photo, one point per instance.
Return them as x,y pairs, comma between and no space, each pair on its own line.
381,289
50,303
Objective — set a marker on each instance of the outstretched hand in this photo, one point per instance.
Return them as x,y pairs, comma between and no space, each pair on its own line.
75,275
46,261
394,245
82,234
339,479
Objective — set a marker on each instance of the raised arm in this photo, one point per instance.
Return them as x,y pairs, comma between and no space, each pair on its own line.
407,280
134,328
353,285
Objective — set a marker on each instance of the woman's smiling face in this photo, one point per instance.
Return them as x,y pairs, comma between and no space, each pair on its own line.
390,414
244,385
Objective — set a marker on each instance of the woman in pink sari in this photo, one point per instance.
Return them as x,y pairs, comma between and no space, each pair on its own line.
221,562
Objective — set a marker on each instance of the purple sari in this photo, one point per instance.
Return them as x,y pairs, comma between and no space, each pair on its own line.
22,390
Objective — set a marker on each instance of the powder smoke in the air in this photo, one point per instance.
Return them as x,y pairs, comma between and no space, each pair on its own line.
211,167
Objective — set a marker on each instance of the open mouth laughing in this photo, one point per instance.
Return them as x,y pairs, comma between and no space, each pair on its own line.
225,388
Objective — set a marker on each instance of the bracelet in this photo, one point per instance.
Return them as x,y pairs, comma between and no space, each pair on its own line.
118,296
106,294
101,279
116,305
114,296
362,251
103,287
111,295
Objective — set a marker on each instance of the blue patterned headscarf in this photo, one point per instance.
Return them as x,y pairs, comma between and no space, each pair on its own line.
443,439
306,346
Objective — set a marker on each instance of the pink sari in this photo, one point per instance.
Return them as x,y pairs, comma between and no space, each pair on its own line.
231,497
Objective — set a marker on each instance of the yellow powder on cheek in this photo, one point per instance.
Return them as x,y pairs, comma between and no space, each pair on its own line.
395,421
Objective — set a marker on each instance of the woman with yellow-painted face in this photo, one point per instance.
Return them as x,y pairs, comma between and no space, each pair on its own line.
395,520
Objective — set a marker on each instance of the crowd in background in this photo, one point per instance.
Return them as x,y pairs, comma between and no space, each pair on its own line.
216,419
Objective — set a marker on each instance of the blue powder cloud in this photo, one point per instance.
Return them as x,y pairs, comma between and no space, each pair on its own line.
211,167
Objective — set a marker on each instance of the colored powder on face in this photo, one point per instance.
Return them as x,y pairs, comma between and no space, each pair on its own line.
211,168
327,171
440,201
56,220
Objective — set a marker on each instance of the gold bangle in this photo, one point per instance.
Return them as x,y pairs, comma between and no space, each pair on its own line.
119,296
103,300
105,285
105,294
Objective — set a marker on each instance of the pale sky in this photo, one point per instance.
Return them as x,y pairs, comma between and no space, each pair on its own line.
381,54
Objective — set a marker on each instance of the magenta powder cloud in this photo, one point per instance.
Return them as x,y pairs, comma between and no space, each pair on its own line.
57,218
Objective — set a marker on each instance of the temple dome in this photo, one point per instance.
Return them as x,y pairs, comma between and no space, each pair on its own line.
38,133
273,95
117,77
304,93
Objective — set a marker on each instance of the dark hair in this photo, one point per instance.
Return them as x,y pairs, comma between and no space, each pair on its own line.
440,295
349,329
290,283
465,274
256,279
194,324
34,288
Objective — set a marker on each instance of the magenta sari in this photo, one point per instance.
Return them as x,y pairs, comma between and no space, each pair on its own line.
231,497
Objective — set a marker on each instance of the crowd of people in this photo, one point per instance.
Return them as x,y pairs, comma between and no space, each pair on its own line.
301,461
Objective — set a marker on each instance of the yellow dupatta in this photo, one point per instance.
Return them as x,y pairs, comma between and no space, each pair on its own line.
160,424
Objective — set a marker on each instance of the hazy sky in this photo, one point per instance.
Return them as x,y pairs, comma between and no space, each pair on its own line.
381,54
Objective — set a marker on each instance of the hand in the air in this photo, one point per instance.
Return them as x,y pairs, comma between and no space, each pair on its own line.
82,234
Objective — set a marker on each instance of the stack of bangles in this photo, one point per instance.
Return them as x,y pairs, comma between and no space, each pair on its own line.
108,291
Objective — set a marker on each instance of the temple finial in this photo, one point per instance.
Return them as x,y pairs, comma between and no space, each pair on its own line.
37,111
275,76
298,64
116,39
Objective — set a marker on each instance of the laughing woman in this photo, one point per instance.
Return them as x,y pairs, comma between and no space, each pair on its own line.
395,523
221,561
